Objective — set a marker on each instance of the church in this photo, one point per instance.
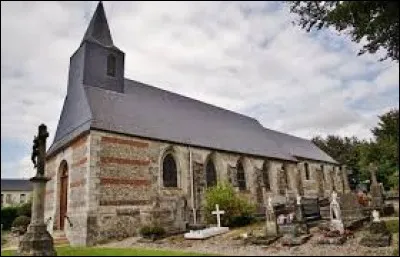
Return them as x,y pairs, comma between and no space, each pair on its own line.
126,154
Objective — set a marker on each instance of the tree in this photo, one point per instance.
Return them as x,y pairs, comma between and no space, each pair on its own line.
383,151
344,150
375,21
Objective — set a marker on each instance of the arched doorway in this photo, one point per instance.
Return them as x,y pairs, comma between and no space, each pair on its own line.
63,193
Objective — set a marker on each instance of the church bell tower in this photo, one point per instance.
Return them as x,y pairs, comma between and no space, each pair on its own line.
98,62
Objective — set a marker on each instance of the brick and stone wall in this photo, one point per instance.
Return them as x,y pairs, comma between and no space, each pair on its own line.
115,184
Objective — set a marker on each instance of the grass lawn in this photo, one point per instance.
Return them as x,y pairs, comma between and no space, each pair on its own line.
97,251
392,225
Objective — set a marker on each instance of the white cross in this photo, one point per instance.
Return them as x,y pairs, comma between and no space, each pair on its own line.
218,213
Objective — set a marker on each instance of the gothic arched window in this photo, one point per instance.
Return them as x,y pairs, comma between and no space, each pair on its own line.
111,65
211,175
265,176
241,178
283,180
307,170
170,173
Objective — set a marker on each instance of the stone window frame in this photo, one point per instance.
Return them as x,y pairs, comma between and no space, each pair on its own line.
266,176
283,171
210,158
242,183
169,151
307,171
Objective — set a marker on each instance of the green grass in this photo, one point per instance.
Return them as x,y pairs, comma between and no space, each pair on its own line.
392,225
97,251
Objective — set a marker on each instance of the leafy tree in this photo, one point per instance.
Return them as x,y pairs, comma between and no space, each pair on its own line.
357,155
375,21
383,151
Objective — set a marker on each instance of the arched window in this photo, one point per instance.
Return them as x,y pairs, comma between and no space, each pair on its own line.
307,170
111,65
265,174
241,178
283,180
322,171
170,174
211,175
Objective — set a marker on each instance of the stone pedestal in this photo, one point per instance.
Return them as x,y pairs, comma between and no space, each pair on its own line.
37,241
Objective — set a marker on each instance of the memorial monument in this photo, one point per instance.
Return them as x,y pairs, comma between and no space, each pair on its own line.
37,241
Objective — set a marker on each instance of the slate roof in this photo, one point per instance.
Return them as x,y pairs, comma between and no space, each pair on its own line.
16,185
150,112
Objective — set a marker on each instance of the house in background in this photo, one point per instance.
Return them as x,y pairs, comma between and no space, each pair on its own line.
15,191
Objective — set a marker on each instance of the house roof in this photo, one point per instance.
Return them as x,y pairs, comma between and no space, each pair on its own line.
147,111
16,185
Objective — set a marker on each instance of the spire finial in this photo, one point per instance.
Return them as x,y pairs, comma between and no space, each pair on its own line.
98,29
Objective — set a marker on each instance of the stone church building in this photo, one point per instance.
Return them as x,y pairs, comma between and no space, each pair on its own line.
126,154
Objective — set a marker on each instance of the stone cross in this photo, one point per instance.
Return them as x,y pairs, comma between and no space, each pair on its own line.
375,215
37,241
372,170
218,213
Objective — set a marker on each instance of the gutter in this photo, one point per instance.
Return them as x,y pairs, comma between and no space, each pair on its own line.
192,185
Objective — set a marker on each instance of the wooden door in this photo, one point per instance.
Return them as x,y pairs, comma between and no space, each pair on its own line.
63,197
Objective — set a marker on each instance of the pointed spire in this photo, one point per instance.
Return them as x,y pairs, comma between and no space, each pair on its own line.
98,29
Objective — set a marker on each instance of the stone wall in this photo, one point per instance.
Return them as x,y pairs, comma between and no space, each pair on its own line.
116,184
76,157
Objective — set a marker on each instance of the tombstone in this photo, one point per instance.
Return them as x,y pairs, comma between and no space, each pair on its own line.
336,215
37,241
336,233
298,229
271,226
378,234
211,231
377,201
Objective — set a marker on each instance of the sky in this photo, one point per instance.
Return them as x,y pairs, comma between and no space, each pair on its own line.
247,57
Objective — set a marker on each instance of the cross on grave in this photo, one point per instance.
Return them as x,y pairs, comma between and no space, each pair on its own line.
218,213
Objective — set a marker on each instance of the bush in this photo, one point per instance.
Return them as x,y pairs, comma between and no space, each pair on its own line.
25,209
152,232
21,223
238,211
8,215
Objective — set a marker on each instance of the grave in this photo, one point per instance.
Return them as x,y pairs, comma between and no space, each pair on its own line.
336,232
376,189
271,231
209,232
378,234
297,232
352,212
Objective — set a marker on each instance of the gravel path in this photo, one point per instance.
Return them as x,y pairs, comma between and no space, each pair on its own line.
226,245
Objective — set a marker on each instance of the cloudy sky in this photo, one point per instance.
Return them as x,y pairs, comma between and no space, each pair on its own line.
243,56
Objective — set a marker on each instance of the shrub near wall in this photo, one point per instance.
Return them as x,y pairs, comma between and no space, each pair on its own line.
238,211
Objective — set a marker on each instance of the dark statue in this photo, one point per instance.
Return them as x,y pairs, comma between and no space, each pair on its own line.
39,150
